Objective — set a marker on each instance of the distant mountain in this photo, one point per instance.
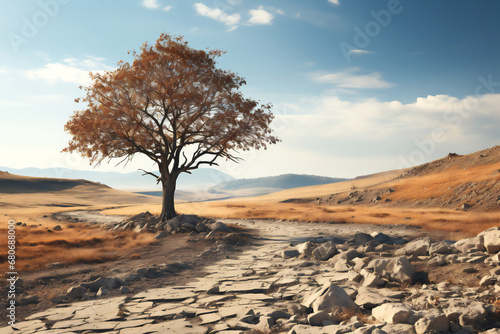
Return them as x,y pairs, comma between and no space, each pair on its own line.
201,178
274,183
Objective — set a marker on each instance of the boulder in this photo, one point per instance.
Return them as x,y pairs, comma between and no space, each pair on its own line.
305,248
369,298
324,251
106,282
441,247
472,312
220,227
398,329
491,239
392,313
371,279
329,298
286,254
161,235
361,238
419,247
319,318
382,238
465,245
102,292
76,292
437,261
433,320
200,227
397,269
264,325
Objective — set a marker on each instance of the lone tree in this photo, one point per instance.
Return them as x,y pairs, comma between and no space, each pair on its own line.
173,105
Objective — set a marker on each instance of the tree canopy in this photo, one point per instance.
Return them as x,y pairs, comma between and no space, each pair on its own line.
173,105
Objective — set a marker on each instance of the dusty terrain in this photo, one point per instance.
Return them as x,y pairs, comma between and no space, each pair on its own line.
61,241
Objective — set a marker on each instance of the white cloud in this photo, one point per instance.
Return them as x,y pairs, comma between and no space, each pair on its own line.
217,14
351,79
334,2
151,4
351,138
167,8
260,16
360,52
72,70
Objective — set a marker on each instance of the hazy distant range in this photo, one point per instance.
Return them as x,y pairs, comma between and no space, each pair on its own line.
208,180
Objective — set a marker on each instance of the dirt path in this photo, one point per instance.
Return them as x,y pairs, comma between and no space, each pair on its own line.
203,258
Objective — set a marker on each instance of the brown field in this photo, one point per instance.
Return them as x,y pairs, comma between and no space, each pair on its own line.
76,242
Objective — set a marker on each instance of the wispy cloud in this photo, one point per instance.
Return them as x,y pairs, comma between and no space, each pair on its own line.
151,4
230,20
167,8
260,16
352,79
72,70
334,2
360,52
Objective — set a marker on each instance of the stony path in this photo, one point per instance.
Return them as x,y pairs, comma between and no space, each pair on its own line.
263,287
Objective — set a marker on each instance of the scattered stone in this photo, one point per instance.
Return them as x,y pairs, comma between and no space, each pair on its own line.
318,318
286,254
161,235
419,247
102,292
76,292
305,248
432,320
437,261
329,298
29,300
488,280
392,313
491,239
57,228
324,251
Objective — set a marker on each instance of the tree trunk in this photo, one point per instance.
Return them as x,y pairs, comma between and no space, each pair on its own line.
168,206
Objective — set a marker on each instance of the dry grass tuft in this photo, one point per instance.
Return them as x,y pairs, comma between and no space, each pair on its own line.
37,247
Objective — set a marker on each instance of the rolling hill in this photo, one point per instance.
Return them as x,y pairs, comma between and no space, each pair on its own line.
24,191
279,182
200,178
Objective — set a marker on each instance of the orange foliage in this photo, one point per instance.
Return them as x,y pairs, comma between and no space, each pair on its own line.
172,97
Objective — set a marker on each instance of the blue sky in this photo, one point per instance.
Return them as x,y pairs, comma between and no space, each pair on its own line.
358,86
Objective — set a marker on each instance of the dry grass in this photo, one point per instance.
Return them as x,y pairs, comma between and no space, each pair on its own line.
37,247
76,243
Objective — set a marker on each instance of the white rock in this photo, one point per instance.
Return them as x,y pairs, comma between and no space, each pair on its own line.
437,261
317,318
398,329
491,239
473,311
305,248
329,298
392,313
419,247
397,269
464,245
371,279
441,247
324,251
432,321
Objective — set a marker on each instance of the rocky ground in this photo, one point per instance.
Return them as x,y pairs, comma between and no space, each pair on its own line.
296,278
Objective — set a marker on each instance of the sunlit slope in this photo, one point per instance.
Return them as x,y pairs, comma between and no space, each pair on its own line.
32,192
